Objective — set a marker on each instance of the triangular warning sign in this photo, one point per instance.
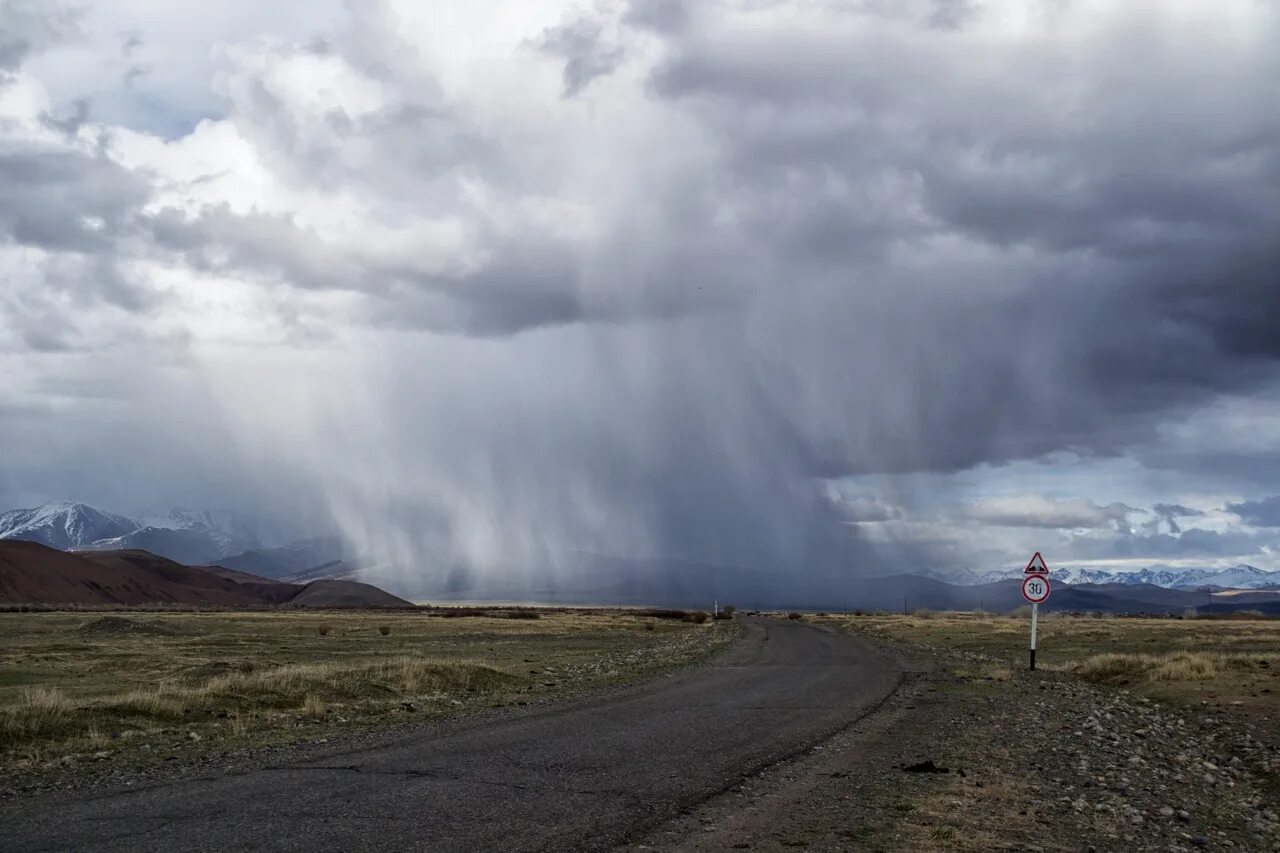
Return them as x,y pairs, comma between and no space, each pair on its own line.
1036,566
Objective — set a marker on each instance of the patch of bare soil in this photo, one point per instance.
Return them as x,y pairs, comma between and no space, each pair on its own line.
973,757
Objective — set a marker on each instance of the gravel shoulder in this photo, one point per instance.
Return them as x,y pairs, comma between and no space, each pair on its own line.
1021,761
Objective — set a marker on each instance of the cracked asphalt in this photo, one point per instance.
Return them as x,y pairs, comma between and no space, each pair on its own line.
584,775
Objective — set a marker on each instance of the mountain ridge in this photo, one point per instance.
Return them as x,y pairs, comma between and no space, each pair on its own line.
35,574
63,524
1242,576
186,535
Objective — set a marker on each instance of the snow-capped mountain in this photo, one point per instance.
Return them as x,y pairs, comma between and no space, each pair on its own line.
192,545
235,531
1237,577
1076,575
189,536
201,535
966,577
64,524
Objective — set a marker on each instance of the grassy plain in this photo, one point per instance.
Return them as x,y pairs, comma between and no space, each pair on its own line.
137,687
1219,662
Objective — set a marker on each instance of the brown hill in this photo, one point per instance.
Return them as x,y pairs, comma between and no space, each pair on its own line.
343,593
31,573
197,582
238,576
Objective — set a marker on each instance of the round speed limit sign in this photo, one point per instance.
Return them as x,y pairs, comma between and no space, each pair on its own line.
1035,589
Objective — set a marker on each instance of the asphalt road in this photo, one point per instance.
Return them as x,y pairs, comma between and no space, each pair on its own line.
584,775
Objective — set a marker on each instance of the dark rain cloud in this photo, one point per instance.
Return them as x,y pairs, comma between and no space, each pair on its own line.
1259,513
858,251
1170,513
30,26
582,45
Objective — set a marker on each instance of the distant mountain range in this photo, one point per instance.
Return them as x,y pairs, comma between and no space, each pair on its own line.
190,536
1236,577
34,574
242,543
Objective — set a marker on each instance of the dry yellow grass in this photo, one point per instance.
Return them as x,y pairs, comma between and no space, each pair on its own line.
45,713
37,711
1171,666
1233,661
152,685
313,706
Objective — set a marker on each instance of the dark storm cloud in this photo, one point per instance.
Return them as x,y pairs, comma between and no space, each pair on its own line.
857,240
1193,543
1138,265
1170,513
1259,513
68,120
582,46
664,16
65,200
532,288
952,14
76,209
29,26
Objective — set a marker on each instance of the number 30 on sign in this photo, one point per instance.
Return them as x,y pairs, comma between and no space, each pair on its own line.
1035,589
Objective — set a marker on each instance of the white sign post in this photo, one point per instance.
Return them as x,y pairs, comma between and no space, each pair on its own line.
1035,589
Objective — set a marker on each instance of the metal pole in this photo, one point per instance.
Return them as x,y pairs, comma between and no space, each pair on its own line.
1035,612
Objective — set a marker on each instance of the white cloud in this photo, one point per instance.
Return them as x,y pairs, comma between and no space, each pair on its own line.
1039,511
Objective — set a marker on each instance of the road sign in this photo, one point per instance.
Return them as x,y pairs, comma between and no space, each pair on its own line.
1036,566
1035,588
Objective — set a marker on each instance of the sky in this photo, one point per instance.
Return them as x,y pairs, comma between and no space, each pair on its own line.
799,287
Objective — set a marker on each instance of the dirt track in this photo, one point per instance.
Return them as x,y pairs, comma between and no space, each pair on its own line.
584,775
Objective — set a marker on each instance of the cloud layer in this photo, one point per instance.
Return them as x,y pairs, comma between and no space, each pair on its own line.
496,282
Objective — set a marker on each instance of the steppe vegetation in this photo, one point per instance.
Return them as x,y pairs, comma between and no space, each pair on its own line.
1233,662
132,687
1133,734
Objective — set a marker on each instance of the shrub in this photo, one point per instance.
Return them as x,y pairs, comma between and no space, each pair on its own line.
322,630
151,703
794,615
923,613
523,613
384,630
1112,668
697,616
726,612
1023,612
37,712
